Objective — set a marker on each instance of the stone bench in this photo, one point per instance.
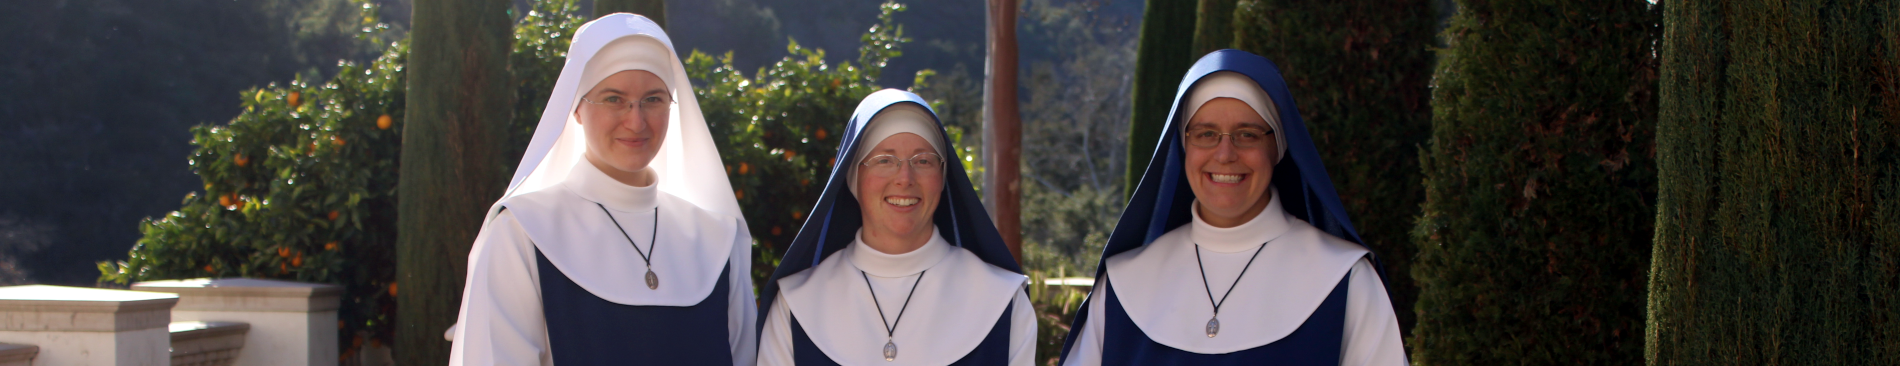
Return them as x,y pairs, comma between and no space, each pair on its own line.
207,343
18,354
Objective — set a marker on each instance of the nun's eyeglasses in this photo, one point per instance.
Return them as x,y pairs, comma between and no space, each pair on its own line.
887,165
1244,137
652,106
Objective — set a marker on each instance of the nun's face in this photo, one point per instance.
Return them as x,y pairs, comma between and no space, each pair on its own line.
1230,181
625,122
899,203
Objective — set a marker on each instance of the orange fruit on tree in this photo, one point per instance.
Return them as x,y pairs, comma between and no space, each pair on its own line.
821,133
297,261
338,141
738,194
240,160
798,215
224,200
392,289
789,154
295,99
283,252
208,269
382,123
744,168
775,230
329,246
333,215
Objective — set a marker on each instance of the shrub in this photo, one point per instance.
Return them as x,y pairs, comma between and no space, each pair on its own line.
1534,241
1778,225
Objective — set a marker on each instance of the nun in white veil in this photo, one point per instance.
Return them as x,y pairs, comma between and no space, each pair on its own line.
619,240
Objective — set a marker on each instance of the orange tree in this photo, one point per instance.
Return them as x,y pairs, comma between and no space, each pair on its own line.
301,185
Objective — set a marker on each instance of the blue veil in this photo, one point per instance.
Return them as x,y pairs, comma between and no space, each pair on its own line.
1162,201
835,219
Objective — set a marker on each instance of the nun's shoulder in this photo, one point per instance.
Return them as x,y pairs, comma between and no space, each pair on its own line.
1177,235
680,207
1326,241
538,199
965,261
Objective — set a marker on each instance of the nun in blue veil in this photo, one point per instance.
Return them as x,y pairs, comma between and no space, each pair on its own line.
1234,248
898,264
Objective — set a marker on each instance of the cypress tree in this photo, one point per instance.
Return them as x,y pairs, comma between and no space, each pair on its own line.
1162,56
652,9
1214,26
1534,239
455,147
1778,231
1366,104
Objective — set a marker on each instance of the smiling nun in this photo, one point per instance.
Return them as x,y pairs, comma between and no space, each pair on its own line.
898,263
619,241
1234,248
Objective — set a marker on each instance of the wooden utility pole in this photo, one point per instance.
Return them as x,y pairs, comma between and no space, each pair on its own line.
1002,126
453,145
652,9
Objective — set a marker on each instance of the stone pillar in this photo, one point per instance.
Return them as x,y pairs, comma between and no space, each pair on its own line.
88,326
292,323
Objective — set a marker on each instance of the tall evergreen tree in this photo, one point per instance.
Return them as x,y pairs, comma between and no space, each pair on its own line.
454,161
1214,26
1534,239
1778,232
1359,70
1162,57
652,9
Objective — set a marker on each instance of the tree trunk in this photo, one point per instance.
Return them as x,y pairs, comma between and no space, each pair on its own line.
1163,55
1003,122
1534,240
1360,75
453,162
1213,26
652,9
1778,235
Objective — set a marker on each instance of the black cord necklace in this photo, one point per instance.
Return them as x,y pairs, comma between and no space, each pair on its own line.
890,327
653,280
1213,324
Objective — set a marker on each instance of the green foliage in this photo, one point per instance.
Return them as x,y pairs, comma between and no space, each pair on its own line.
1534,241
1359,71
1161,59
1778,226
779,130
301,186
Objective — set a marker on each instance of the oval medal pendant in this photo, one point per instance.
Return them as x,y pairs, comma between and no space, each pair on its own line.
1213,327
890,351
653,280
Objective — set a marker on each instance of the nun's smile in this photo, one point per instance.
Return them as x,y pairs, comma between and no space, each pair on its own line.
898,203
1230,181
625,120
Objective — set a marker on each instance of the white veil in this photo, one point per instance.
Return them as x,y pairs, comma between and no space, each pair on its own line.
688,164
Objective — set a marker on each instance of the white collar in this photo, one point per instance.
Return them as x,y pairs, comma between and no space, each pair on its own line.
567,225
880,264
1264,227
591,183
952,310
1161,290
